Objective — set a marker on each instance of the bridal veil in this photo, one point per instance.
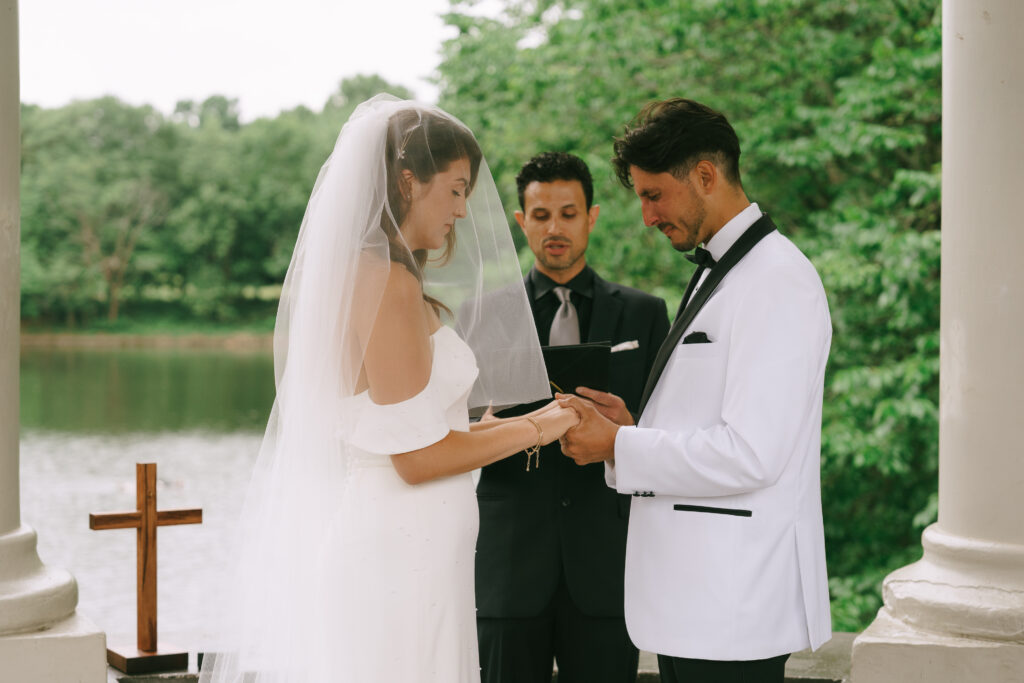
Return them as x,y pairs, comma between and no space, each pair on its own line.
273,630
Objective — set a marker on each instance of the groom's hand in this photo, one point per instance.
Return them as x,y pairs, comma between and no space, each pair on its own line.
593,439
609,405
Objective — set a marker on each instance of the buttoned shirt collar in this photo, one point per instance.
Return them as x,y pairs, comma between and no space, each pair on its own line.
731,231
582,284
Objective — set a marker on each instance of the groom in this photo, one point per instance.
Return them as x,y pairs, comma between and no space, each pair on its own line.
725,562
551,548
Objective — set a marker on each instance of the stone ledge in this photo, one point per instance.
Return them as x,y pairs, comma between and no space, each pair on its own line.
893,650
70,650
830,664
115,676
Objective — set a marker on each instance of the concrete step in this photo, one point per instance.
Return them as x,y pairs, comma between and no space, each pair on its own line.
830,664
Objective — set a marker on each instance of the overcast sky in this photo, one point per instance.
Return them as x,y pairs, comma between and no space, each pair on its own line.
269,54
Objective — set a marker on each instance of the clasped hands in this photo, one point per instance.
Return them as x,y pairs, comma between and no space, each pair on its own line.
600,416
584,424
551,420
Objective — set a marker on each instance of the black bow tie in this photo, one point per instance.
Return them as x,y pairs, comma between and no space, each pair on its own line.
702,257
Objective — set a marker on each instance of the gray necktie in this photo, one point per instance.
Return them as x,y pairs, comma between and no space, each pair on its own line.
565,328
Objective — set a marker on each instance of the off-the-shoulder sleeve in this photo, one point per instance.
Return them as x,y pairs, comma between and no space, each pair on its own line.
400,427
423,419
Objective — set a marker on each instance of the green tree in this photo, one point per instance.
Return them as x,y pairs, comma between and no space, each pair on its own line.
351,91
194,215
214,110
92,203
244,190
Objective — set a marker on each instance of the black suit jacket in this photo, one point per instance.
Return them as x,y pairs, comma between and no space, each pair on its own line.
562,518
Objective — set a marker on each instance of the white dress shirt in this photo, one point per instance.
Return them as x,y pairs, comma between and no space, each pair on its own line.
725,554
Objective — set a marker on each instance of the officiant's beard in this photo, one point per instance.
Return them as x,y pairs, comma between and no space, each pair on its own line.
569,259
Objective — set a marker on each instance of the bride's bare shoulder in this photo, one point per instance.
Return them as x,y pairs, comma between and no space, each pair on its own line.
394,331
386,292
381,276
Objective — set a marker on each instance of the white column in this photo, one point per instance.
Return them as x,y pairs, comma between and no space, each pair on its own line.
958,614
9,274
42,640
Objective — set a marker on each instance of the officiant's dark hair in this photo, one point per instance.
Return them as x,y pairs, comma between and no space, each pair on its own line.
672,136
551,166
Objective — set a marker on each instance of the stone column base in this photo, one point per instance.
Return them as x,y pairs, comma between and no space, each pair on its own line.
71,651
32,595
892,651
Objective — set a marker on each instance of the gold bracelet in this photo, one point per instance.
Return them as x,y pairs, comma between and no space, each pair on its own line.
534,451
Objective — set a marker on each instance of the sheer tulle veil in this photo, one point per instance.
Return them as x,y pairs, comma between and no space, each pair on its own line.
273,629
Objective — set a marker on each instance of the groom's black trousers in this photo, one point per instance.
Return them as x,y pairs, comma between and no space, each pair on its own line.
587,649
683,670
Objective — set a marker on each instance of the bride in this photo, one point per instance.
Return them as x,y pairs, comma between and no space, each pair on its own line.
355,556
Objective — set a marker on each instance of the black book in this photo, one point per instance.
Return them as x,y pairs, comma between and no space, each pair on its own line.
577,365
568,367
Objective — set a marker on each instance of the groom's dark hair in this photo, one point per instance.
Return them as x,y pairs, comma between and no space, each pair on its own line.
672,136
551,166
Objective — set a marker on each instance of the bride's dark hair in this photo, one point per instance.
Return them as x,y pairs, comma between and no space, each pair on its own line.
424,143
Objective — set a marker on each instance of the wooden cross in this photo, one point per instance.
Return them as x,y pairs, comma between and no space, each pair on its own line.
145,519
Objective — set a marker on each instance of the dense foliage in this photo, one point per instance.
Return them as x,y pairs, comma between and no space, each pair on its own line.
191,216
837,105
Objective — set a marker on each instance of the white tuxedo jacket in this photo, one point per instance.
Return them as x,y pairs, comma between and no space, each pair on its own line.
725,556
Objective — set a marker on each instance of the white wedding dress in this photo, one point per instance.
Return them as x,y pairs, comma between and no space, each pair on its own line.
398,562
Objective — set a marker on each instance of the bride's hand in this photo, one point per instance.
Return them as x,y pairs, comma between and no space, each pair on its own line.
556,421
545,409
489,415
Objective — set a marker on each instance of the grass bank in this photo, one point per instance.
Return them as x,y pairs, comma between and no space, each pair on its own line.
160,333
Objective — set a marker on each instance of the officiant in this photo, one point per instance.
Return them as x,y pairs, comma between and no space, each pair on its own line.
551,548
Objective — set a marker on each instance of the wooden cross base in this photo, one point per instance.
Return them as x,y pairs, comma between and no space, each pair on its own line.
132,660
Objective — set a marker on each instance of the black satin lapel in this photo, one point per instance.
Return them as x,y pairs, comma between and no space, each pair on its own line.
675,333
605,314
760,228
690,286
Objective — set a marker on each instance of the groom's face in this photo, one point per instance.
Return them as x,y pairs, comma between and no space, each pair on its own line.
557,225
672,205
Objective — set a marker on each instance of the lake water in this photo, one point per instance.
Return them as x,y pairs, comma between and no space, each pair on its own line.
87,418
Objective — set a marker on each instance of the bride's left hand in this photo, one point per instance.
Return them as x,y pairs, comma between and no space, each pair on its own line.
489,415
544,410
556,421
